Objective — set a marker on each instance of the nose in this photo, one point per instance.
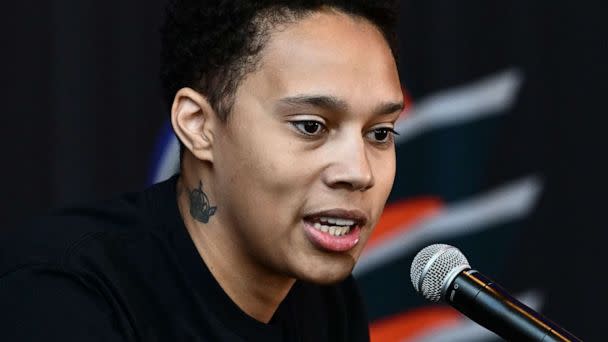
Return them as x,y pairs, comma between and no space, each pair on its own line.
350,168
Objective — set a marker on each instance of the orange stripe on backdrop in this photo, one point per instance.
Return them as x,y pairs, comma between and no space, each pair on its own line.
407,104
400,216
411,324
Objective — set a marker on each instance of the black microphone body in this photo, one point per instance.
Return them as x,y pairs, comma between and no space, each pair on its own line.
491,306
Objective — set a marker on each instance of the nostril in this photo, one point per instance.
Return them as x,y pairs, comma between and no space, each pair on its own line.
351,173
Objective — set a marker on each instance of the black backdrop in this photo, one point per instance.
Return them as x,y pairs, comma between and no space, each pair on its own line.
81,100
555,130
81,113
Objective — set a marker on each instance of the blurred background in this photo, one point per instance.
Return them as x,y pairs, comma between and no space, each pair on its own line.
501,154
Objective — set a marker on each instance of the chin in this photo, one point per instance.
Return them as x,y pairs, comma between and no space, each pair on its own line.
327,273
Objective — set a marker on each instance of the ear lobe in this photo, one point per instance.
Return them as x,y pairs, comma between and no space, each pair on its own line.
193,120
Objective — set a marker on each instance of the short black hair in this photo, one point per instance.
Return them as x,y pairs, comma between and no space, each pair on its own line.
210,45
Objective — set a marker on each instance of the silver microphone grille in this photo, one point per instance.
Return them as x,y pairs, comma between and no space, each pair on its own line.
433,266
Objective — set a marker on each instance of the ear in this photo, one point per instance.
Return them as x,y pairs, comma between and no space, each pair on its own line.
193,121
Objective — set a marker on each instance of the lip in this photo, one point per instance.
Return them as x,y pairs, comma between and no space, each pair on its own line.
328,242
356,215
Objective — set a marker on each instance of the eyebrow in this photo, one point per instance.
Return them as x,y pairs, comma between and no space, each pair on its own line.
335,104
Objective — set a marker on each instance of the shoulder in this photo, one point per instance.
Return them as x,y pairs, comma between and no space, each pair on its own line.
48,304
56,238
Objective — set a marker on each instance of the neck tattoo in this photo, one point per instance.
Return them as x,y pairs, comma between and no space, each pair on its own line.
200,208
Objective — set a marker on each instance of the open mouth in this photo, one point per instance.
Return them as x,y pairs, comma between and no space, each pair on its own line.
335,230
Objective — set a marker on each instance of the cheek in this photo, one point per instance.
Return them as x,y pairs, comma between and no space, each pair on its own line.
267,180
384,168
387,176
384,177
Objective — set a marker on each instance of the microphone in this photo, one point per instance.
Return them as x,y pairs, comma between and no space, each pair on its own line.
442,272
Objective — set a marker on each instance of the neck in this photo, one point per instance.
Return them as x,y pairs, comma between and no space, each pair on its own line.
249,285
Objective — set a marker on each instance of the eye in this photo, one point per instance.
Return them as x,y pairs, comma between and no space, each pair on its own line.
309,127
382,135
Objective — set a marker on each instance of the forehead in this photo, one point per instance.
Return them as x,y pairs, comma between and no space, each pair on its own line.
328,53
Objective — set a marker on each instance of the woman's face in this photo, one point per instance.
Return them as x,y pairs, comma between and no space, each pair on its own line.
306,160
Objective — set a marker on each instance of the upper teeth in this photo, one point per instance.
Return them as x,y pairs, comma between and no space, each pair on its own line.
337,221
332,230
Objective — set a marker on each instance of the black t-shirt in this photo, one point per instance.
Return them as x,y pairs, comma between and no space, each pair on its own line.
127,270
